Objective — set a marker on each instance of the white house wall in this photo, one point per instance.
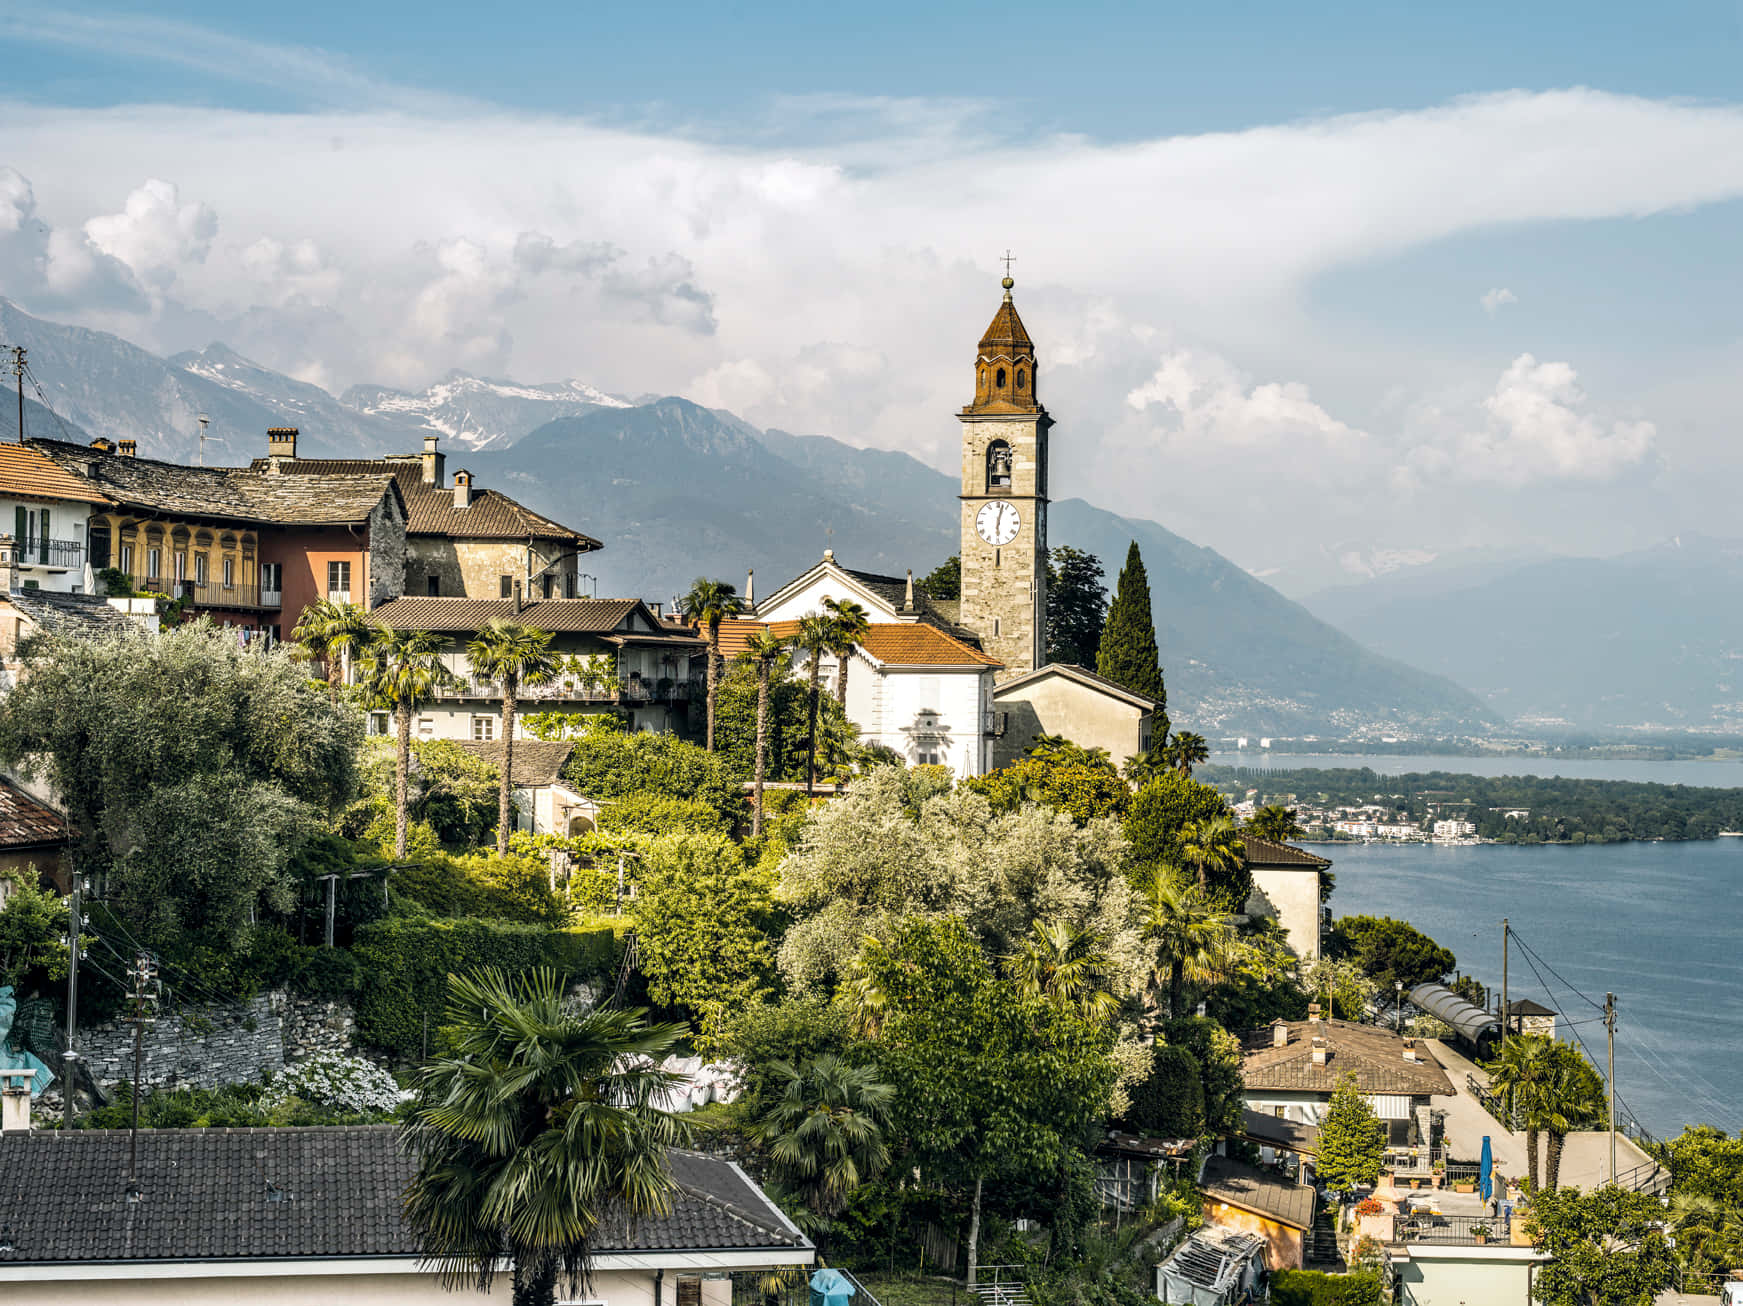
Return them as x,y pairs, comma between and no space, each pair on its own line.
910,709
809,598
1290,896
68,524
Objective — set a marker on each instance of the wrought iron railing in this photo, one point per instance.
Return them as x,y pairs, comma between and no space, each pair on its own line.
214,594
1460,1230
51,553
568,690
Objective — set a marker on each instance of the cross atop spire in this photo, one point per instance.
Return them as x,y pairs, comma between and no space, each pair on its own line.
1007,258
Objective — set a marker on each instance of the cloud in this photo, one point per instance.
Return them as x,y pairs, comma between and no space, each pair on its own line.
155,234
1209,400
1493,299
56,270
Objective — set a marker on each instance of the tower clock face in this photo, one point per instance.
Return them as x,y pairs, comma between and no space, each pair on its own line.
997,523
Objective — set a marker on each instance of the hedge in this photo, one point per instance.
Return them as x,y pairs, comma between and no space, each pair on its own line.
1170,1102
404,966
1314,1288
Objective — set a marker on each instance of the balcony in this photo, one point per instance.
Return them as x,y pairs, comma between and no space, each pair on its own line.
215,594
1451,1230
56,555
566,689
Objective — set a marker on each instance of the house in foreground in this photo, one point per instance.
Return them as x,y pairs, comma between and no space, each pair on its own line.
1241,1198
543,801
1286,888
301,1215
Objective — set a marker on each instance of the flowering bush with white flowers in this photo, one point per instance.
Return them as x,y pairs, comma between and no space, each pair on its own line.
343,1083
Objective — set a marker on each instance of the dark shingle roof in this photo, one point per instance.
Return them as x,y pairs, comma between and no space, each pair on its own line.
1268,852
1228,1180
537,762
208,1195
1375,1056
596,616
1290,1135
26,823
894,591
77,614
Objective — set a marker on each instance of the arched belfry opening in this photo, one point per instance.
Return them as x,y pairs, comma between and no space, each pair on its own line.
998,466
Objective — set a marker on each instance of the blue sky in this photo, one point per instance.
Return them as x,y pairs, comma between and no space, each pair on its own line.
1462,277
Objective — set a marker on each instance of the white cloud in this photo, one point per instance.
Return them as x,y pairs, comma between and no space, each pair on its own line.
1209,400
1494,298
155,234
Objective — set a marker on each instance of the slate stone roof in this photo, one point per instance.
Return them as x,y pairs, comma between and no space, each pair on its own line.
430,508
26,823
224,493
1083,676
595,616
30,474
248,1194
1374,1055
537,762
1268,852
1290,1135
1227,1180
79,614
1526,1007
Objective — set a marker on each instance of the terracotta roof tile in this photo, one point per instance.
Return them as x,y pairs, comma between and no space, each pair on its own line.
28,473
24,822
920,645
1375,1056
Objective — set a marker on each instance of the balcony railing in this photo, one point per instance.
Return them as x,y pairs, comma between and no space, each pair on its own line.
1461,1230
569,690
214,594
63,554
1412,1160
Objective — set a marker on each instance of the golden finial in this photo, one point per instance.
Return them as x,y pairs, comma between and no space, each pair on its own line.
1008,258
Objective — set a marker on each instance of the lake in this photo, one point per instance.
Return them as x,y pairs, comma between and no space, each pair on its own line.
1654,923
1726,774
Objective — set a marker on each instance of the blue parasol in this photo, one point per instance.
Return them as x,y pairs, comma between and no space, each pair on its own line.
1486,1185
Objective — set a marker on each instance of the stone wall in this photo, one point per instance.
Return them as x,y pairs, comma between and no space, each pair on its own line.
204,1047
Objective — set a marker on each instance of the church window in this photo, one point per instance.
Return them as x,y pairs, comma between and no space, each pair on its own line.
1022,380
999,379
998,466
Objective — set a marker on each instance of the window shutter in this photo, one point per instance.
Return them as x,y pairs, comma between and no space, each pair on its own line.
690,1291
42,521
20,535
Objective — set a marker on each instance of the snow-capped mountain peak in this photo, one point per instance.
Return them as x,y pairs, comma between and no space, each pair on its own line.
477,412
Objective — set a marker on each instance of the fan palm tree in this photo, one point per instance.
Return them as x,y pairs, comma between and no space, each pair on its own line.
825,1134
1189,750
1191,940
1520,1076
537,1125
709,603
329,632
1213,844
1572,1098
851,623
765,650
512,655
816,637
1709,1231
1063,964
1141,768
402,670
1276,823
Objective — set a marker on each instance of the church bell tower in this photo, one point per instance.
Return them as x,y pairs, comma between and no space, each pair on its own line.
1004,498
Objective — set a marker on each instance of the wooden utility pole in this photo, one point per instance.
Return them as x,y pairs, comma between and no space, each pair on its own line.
1506,939
1610,1029
332,894
18,352
70,1058
143,998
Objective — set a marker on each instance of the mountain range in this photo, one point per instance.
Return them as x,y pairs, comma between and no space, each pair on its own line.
677,490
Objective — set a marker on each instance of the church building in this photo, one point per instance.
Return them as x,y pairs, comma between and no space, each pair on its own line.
956,681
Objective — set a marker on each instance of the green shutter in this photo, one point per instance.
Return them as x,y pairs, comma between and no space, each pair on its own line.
19,537
42,521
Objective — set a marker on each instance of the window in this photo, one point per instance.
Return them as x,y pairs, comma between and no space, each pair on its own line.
999,379
998,466
508,587
435,586
569,585
483,729
229,573
426,726
42,535
272,577
99,535
550,586
127,559
1022,380
181,564
379,723
199,569
339,581
153,564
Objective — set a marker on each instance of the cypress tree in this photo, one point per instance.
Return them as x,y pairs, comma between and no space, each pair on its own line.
1128,654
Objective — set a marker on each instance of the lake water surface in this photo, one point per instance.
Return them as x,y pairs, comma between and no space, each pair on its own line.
1726,774
1657,924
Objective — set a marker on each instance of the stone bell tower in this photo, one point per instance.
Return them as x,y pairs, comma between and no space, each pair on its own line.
1004,498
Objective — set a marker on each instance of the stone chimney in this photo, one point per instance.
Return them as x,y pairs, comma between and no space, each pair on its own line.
102,444
1410,1053
462,482
15,1100
1280,1033
1313,1012
281,445
908,594
435,462
750,588
1320,1051
520,603
129,448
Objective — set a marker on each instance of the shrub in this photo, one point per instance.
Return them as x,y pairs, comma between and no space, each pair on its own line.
794,1030
1169,1103
1219,1066
512,888
1314,1288
326,973
606,766
656,813
1084,792
343,1083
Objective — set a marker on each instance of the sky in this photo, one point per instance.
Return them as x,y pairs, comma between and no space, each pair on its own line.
1332,289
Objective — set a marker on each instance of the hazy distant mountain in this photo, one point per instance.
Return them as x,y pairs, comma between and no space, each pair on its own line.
477,413
1648,638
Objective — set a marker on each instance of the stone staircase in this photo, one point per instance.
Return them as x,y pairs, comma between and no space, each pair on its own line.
1321,1244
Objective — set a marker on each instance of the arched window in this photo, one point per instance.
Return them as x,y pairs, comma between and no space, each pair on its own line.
998,466
983,378
999,379
1022,380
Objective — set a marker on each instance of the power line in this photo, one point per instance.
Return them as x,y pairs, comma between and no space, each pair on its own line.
43,400
1596,1006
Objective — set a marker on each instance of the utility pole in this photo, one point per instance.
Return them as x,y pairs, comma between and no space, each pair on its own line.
332,892
18,352
70,1058
1506,938
143,999
1610,1029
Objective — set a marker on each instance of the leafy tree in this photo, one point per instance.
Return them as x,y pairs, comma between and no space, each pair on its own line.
511,655
192,769
1187,750
1213,848
824,1135
1189,939
1606,1247
735,723
1063,963
1708,1233
1127,654
701,925
530,1128
850,623
1341,986
1169,1103
329,632
1162,809
707,604
945,580
1277,823
988,1082
1218,1054
611,765
815,637
760,1035
765,651
1520,1075
454,792
1083,792
1352,1141
403,669
1077,604
1706,1162
33,932
1389,951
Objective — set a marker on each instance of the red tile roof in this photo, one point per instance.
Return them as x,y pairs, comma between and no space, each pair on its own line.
27,474
900,644
26,823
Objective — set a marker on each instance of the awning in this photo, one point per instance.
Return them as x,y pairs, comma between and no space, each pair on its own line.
1470,1022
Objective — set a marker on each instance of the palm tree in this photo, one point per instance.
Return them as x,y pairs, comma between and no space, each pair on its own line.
709,603
1709,1231
537,1125
1573,1098
1192,940
402,669
1213,844
825,1134
330,632
1276,823
1189,750
1141,768
512,655
816,637
765,649
1520,1076
1063,964
851,624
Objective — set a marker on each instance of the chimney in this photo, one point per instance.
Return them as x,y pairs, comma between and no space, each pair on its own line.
520,603
15,1100
1319,1051
1313,1012
1280,1033
102,444
435,463
129,448
1410,1053
281,444
908,594
750,588
462,482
